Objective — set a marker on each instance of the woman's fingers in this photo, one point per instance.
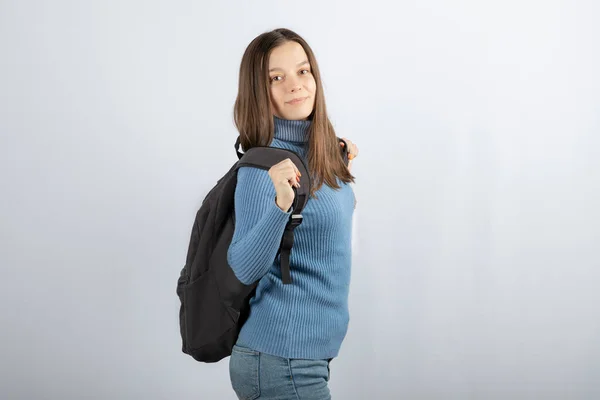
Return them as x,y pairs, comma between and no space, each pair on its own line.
294,173
286,171
352,148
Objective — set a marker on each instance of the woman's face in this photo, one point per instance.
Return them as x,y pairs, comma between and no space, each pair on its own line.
290,78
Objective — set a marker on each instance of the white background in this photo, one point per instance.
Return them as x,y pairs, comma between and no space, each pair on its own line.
476,259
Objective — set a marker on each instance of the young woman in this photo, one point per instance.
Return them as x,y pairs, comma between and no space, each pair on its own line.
293,331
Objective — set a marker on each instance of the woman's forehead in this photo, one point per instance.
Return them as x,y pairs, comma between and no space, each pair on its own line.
287,56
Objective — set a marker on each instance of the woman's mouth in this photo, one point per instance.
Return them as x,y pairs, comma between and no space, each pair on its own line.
297,101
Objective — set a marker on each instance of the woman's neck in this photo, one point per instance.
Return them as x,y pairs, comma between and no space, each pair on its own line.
291,130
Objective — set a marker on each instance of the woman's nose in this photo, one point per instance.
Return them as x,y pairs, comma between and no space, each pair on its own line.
295,84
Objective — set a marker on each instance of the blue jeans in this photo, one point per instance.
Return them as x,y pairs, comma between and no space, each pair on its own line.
256,375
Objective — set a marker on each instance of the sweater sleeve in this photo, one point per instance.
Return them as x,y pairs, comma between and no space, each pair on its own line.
259,225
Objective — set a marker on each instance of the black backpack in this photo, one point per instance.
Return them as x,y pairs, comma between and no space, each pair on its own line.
214,303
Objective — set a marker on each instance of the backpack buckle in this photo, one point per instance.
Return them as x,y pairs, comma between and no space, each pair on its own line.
296,220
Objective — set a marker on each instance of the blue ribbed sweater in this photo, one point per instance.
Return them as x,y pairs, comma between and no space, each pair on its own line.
309,317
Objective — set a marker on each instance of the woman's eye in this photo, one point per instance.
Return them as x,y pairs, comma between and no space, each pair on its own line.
274,79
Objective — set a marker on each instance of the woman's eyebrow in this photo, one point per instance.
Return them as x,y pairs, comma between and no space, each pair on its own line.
297,65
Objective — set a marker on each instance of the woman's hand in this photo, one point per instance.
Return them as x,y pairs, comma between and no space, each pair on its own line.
352,151
284,176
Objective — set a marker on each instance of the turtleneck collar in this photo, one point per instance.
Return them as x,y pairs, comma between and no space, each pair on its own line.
291,130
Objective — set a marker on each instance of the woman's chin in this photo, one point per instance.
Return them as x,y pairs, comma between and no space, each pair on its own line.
297,114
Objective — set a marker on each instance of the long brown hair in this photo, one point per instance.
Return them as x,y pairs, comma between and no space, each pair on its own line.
253,113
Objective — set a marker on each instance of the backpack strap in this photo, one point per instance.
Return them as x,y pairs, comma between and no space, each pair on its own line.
264,158
344,149
285,248
237,148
